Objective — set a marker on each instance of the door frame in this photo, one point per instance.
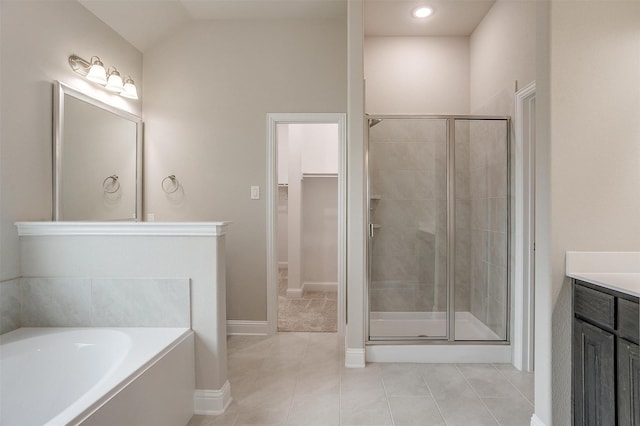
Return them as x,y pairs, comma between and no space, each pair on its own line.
273,119
524,283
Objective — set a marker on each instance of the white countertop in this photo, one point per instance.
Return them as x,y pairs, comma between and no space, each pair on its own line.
618,271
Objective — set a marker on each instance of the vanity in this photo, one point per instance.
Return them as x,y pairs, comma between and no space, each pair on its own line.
605,338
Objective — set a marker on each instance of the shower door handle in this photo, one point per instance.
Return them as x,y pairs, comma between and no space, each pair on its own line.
373,226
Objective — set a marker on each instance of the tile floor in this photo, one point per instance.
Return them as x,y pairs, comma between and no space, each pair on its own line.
300,379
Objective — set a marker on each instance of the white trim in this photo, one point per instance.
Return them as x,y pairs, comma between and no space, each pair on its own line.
329,287
247,327
312,286
535,421
354,358
272,209
439,353
205,229
295,293
212,402
523,316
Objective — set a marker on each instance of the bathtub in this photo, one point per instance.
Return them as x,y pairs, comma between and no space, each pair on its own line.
96,376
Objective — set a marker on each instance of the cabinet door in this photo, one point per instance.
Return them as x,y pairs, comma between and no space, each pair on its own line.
593,376
628,383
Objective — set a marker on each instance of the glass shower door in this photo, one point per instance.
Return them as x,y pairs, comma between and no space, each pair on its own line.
481,229
408,228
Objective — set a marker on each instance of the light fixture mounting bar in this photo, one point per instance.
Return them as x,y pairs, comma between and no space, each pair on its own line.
79,65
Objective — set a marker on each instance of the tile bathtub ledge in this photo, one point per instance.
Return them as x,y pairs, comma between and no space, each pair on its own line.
618,271
123,228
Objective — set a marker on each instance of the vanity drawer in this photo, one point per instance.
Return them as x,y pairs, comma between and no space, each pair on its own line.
594,306
628,325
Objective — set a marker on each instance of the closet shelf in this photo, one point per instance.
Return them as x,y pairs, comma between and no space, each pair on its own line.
319,175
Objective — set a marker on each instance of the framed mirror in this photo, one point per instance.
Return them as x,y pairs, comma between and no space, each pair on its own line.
97,155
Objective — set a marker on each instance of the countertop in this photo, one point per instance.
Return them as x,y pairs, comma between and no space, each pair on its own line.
618,271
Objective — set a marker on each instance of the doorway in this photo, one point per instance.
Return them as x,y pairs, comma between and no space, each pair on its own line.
306,222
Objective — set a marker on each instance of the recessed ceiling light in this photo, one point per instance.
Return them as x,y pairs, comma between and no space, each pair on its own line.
422,12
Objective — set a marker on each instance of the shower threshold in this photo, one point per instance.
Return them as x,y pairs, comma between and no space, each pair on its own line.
427,325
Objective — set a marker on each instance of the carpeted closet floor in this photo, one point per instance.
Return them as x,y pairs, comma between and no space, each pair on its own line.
314,311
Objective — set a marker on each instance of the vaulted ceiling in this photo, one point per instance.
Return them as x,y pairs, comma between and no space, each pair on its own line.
144,22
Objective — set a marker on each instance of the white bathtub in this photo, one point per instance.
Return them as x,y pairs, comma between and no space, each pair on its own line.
96,376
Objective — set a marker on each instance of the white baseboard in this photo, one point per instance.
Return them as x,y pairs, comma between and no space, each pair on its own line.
535,421
294,293
354,358
320,286
247,327
212,402
283,265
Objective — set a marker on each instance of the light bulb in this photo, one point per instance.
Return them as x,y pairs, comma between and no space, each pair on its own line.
422,12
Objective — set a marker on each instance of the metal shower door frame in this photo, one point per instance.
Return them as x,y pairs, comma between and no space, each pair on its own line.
373,119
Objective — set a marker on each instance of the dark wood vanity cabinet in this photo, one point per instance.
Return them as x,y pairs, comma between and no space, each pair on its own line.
606,362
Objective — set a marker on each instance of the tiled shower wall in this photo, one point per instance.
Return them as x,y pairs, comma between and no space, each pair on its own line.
462,217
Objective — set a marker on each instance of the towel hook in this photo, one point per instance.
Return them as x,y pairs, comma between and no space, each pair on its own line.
111,184
166,188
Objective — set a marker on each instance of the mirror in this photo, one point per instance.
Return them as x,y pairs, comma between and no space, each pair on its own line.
97,159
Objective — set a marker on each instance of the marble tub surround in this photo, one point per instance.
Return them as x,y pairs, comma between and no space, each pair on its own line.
618,271
9,305
105,302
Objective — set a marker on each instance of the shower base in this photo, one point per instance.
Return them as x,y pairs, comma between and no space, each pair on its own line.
427,324
482,346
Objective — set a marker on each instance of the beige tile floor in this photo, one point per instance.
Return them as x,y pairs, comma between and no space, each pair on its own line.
300,379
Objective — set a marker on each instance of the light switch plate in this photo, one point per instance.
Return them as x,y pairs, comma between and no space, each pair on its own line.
255,192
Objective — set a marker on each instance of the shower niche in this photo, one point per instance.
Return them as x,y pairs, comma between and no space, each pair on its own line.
438,245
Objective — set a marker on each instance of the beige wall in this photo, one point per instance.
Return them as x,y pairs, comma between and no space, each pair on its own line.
595,151
320,230
37,37
502,50
416,75
209,88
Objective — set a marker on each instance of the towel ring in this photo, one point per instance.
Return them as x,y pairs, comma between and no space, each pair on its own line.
173,180
111,184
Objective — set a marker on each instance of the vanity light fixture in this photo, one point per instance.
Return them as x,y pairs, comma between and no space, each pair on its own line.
94,71
422,12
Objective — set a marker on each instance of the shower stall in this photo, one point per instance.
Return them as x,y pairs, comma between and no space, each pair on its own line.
438,247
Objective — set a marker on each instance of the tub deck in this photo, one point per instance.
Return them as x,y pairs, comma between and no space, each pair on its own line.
60,375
